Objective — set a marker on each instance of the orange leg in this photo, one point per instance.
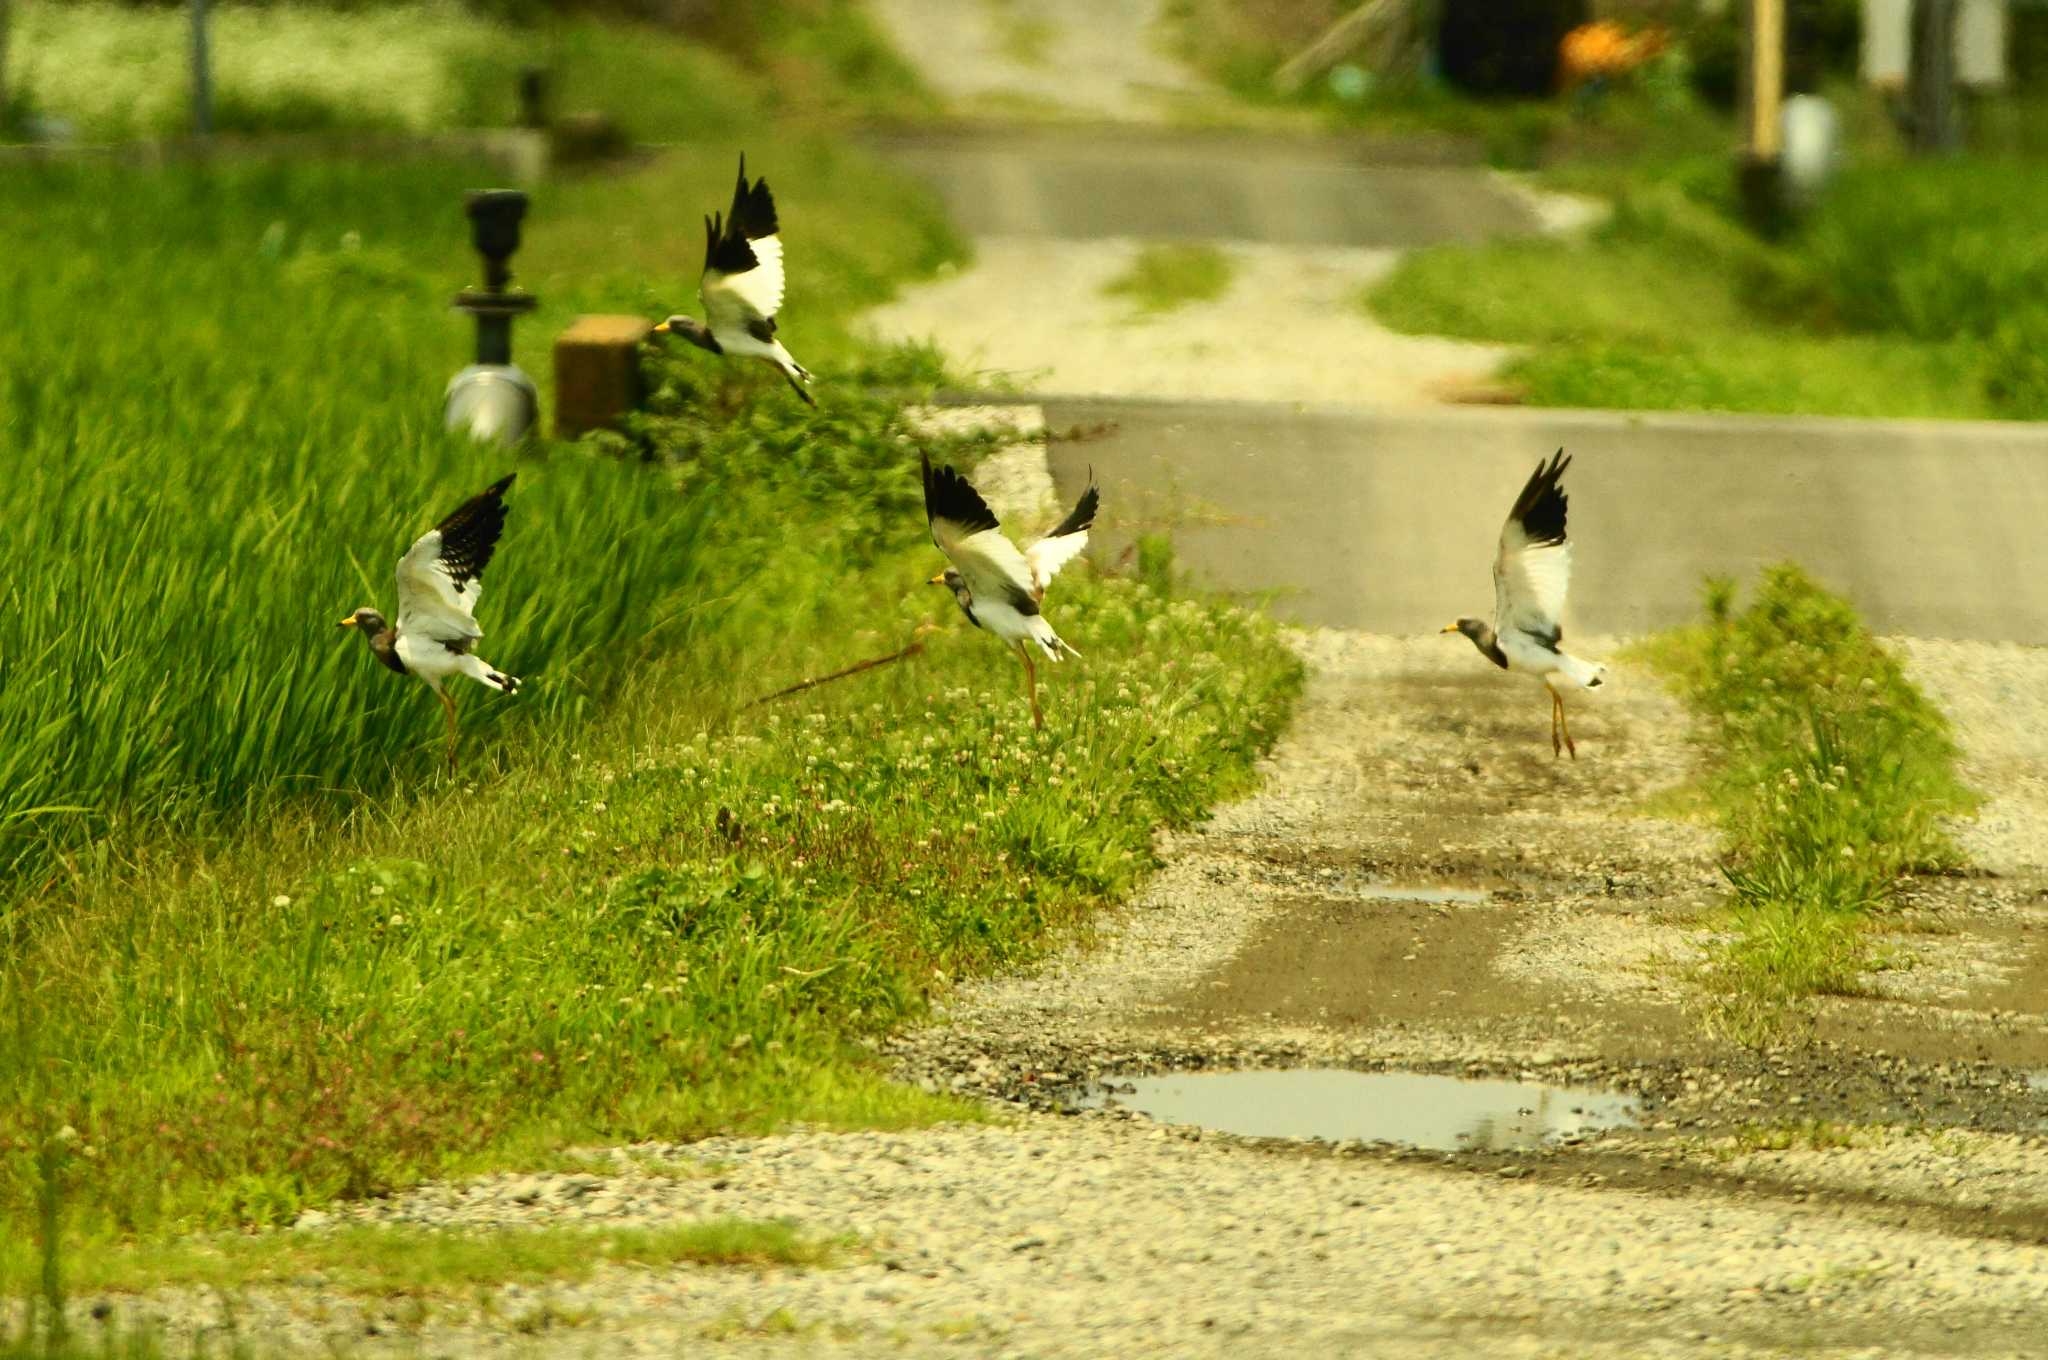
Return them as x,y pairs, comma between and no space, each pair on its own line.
1565,723
1031,683
1556,721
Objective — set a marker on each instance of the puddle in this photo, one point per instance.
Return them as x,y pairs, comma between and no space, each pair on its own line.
1420,892
1446,1114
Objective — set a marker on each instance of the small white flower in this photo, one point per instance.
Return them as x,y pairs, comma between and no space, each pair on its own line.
280,901
397,918
376,890
597,807
1848,852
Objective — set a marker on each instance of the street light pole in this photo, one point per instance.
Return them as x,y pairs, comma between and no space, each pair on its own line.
202,83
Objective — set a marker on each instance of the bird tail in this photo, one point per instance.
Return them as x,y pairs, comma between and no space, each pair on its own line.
1052,644
1581,673
481,671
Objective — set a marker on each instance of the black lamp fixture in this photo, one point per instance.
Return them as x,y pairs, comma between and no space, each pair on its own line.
492,399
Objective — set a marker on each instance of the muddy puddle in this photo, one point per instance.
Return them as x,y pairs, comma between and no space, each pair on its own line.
1410,1109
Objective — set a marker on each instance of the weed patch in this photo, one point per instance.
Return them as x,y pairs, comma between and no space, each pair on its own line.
1832,775
1163,277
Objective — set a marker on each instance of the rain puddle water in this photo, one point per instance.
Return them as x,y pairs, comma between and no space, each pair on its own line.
1420,892
1445,1114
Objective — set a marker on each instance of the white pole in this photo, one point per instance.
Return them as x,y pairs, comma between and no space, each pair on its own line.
202,84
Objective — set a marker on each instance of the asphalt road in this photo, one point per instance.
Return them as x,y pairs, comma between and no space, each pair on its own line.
1284,191
1386,521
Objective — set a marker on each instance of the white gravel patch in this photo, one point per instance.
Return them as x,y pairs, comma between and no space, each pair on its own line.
1290,327
1996,693
1085,1238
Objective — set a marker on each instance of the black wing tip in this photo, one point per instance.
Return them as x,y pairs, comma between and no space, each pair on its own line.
1082,517
1540,509
948,495
497,488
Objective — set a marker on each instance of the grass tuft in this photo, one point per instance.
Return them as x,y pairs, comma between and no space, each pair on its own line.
1164,277
1832,776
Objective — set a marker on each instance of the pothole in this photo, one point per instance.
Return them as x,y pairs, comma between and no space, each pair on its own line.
1412,1109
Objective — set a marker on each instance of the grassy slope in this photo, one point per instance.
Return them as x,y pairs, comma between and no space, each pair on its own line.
1912,290
1832,774
639,912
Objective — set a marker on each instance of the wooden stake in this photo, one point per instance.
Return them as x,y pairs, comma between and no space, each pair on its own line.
1766,78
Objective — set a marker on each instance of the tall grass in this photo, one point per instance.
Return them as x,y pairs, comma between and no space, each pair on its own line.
206,472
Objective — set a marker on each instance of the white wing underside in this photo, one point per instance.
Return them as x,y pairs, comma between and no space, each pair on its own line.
732,302
430,603
991,564
1529,585
1045,558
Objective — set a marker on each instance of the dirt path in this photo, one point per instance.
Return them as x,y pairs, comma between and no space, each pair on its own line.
1089,58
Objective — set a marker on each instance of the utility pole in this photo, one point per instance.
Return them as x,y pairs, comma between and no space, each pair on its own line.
1760,174
202,82
1931,77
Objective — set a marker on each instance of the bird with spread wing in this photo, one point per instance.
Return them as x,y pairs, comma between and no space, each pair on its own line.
439,580
1531,573
742,286
997,585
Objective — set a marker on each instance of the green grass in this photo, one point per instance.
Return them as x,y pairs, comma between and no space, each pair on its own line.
280,957
393,1260
117,72
1913,291
1166,276
1831,776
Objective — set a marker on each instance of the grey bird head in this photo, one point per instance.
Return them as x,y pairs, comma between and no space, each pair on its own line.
690,329
1476,629
366,620
952,580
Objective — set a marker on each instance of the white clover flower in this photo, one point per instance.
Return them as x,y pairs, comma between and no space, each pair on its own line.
280,901
376,890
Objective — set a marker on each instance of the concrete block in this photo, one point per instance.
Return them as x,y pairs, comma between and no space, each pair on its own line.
597,372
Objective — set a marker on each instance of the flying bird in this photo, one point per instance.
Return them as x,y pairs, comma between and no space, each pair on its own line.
998,587
1530,575
439,580
742,286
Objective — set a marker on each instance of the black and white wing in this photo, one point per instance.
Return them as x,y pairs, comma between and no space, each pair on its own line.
441,575
1064,543
1534,566
742,284
965,530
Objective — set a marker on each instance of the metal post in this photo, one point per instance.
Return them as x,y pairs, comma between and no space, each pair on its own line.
202,82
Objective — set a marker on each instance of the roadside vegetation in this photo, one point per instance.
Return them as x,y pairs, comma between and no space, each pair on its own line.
1910,291
1165,276
1831,777
114,71
259,950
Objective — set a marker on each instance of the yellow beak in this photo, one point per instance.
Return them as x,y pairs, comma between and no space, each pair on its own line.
661,329
938,580
1448,628
348,622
